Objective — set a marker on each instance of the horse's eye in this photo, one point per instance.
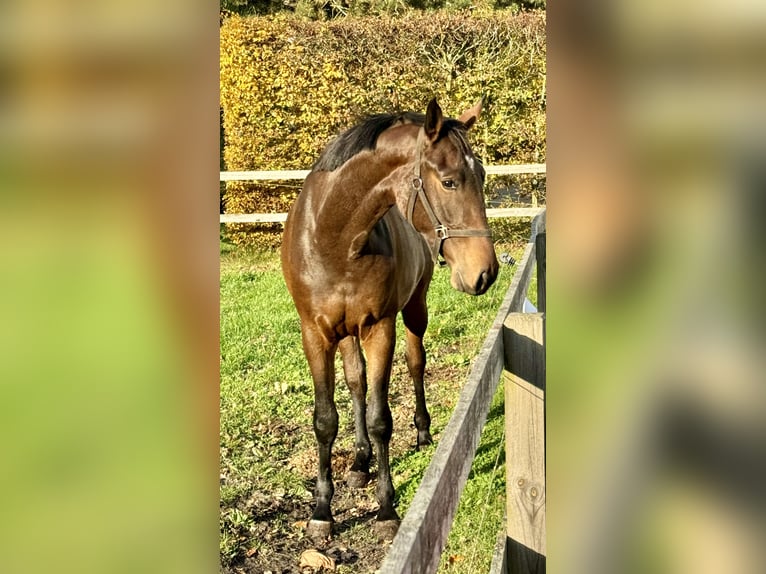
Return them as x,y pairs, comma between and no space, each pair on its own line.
449,184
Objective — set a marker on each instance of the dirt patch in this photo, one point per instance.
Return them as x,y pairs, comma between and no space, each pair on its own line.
279,534
304,461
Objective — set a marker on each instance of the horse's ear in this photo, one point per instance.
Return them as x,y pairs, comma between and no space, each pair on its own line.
433,123
472,114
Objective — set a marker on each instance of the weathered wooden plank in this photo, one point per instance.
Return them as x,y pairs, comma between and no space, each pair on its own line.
499,563
523,341
423,532
265,175
253,217
498,212
541,274
281,217
538,223
522,277
524,379
515,169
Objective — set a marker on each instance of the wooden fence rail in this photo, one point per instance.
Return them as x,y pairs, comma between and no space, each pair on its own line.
282,217
418,545
277,175
289,174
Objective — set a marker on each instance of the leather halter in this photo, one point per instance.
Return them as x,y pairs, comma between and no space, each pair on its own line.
442,231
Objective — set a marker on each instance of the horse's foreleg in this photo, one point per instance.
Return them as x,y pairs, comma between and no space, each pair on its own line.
416,364
379,347
356,379
415,317
320,355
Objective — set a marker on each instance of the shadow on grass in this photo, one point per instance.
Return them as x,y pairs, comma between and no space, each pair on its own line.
489,445
351,523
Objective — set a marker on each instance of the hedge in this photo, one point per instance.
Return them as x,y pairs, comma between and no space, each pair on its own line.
289,85
329,9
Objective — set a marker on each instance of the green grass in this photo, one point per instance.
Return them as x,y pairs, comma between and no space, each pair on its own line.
266,402
263,376
482,504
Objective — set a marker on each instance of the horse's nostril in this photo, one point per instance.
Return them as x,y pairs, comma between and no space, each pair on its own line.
482,282
485,281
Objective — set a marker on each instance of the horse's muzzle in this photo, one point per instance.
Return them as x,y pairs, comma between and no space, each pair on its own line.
476,286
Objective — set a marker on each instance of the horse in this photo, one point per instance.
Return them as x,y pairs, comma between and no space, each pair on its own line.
385,201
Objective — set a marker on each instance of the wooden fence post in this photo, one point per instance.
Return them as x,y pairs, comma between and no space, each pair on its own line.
540,252
524,378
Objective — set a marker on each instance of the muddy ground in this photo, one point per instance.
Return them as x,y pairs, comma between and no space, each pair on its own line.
281,522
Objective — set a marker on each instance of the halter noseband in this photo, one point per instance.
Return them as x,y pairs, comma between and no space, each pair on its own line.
442,231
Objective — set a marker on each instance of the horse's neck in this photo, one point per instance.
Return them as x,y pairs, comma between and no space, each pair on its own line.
357,196
400,142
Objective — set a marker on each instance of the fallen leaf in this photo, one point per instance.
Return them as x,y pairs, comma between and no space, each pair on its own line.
300,525
250,552
456,558
315,560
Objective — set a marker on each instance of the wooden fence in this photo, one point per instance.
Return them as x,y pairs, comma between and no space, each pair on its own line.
282,217
267,175
302,173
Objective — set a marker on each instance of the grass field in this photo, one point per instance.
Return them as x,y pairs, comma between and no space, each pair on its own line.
268,460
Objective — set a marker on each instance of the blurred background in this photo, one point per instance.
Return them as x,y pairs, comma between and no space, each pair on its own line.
656,155
108,296
656,398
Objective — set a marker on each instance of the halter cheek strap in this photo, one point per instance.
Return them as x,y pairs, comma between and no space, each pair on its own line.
442,231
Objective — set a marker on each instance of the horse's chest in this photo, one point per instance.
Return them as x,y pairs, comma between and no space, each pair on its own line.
361,307
350,312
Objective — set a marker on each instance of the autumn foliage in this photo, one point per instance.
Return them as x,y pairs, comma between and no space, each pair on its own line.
289,85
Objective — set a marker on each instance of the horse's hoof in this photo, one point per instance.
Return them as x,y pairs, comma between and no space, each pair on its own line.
319,529
357,478
386,529
424,439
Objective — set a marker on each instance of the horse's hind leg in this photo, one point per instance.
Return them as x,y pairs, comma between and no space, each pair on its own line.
320,355
379,348
415,317
356,379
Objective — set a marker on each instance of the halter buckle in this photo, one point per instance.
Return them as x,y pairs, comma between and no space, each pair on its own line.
442,232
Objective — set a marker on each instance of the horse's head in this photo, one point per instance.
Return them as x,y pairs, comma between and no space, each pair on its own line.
448,188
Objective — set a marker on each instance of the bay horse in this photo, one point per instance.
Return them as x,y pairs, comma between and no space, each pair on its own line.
383,203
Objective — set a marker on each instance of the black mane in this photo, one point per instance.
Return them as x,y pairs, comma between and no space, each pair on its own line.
364,136
361,137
